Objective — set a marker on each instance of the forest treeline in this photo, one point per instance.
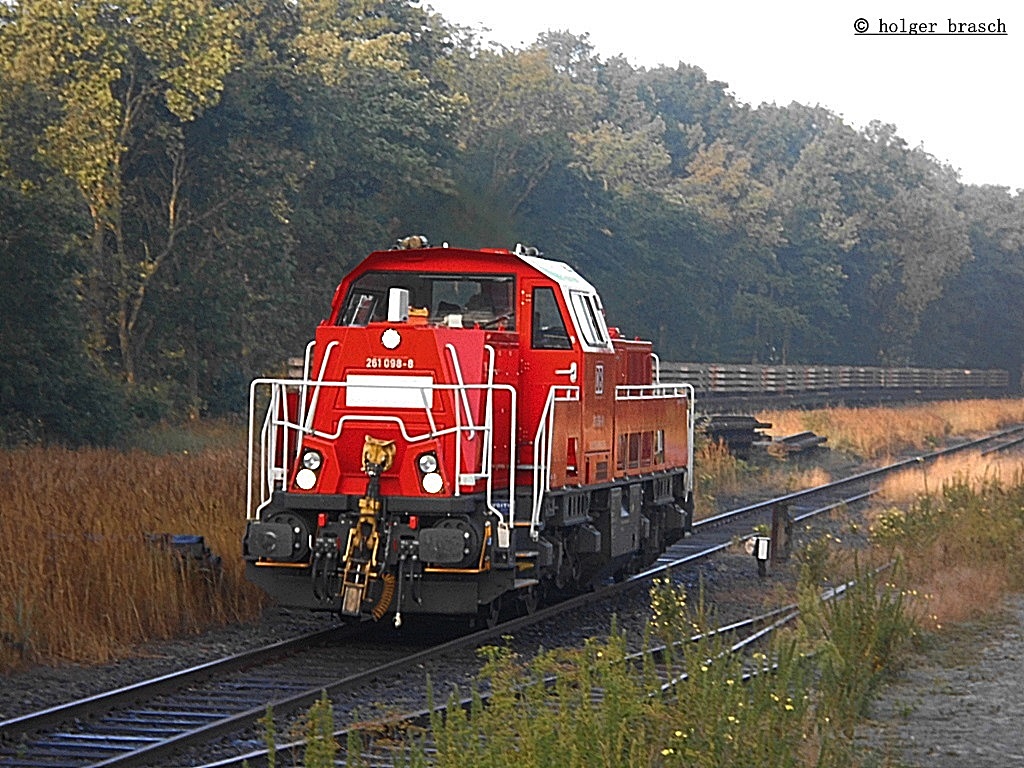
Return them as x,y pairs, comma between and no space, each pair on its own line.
184,182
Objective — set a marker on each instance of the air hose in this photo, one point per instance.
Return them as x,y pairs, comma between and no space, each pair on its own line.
386,595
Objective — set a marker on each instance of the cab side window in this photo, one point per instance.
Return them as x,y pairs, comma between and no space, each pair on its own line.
548,330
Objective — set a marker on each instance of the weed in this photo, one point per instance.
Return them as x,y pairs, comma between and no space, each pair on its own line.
786,707
319,731
960,545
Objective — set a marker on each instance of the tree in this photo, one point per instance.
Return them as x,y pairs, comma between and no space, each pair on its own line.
881,220
696,111
123,76
625,148
929,247
979,319
50,388
523,111
377,126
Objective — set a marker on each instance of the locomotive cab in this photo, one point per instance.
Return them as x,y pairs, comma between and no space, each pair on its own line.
467,432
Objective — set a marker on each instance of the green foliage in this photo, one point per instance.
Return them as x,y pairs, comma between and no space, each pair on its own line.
102,64
979,319
524,107
965,524
528,722
593,706
320,744
269,731
234,160
125,79
757,721
50,388
857,639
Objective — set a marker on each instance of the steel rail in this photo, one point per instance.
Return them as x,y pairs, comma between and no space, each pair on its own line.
870,474
1012,443
22,730
87,707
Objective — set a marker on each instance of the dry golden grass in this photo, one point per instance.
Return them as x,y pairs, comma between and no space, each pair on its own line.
716,467
960,533
963,520
800,479
720,474
82,582
878,432
926,478
962,592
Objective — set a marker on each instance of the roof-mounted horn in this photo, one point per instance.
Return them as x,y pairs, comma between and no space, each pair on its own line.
527,250
411,242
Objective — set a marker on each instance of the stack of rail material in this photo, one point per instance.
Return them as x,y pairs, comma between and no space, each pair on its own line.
798,443
738,432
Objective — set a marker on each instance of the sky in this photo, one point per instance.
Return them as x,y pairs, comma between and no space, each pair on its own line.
958,96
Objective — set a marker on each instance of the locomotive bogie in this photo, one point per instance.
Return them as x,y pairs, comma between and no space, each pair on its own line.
466,432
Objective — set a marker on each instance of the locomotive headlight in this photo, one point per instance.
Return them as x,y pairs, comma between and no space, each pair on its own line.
427,463
305,478
432,482
312,460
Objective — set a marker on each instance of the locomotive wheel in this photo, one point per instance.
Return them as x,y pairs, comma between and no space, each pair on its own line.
489,614
528,600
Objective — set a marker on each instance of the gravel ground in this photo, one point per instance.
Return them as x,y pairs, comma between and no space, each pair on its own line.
961,703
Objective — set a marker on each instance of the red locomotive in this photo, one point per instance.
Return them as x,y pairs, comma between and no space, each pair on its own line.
467,433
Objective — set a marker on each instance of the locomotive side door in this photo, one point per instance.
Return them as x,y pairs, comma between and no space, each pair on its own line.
551,368
599,378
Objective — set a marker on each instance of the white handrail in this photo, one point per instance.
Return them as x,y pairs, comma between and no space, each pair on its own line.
316,389
307,361
273,476
462,387
542,446
653,391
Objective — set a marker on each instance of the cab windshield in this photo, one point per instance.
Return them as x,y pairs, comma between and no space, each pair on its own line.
458,301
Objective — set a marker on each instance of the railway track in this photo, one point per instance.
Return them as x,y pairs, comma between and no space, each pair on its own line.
390,729
388,744
151,722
